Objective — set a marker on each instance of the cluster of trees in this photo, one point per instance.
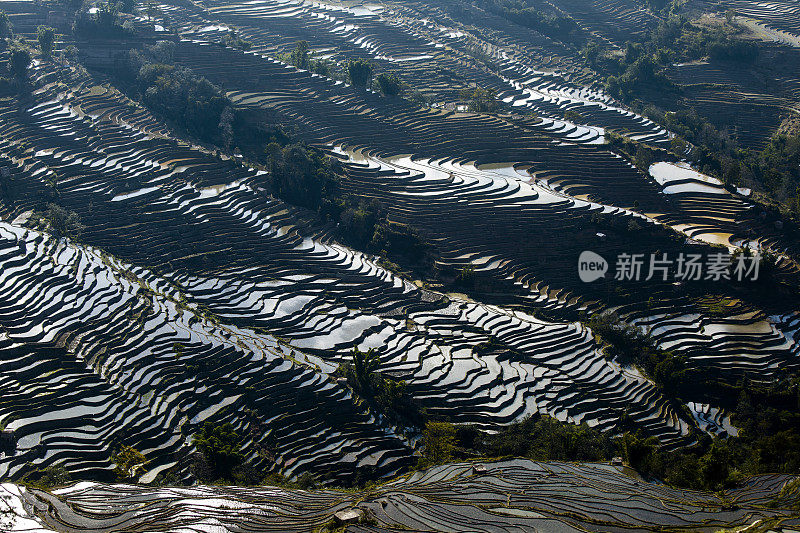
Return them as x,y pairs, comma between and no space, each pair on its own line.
545,438
46,37
305,177
629,346
103,21
6,28
439,439
301,57
14,71
769,441
676,38
389,84
359,72
480,99
538,16
766,415
774,170
45,478
777,168
380,390
643,73
233,40
638,75
59,221
184,99
129,464
220,447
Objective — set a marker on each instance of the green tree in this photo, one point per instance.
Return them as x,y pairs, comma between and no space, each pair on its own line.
300,56
46,478
714,466
360,72
6,29
544,438
641,452
221,448
129,463
480,100
47,40
439,440
364,366
233,40
389,84
19,62
62,222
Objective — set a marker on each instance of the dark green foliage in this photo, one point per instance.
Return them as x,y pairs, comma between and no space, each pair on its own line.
6,29
103,24
188,101
545,438
130,463
303,177
402,244
234,41
628,345
730,49
306,177
480,100
775,169
681,40
574,116
359,71
465,277
769,441
45,478
778,169
306,481
301,56
439,439
70,53
767,417
538,16
221,449
47,40
644,158
61,222
359,221
638,75
365,364
640,452
389,84
642,72
386,394
19,62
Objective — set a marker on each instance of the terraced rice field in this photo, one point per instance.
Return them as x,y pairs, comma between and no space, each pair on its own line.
195,295
515,495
